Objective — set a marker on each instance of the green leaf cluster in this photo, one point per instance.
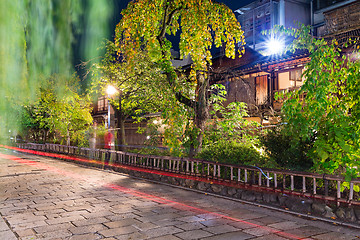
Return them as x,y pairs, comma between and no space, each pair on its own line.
287,151
59,113
229,122
232,152
141,88
145,24
326,108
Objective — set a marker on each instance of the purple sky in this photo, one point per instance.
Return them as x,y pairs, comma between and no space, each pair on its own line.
233,4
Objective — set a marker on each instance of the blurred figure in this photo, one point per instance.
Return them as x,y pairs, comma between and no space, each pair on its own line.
108,139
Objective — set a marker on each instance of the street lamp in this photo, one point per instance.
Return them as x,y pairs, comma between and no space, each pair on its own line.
110,90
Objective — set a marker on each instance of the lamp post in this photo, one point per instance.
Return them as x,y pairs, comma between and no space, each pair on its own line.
110,90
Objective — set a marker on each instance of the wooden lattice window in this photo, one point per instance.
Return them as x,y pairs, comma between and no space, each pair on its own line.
295,77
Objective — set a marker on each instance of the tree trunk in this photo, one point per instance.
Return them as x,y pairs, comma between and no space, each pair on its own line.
121,142
200,106
67,137
44,135
201,110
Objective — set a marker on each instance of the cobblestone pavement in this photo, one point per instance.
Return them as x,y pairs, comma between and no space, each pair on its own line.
44,198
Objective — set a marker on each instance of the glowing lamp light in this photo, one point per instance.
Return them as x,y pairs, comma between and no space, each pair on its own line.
111,90
275,46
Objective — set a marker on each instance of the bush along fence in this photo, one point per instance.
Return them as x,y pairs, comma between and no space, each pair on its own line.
307,193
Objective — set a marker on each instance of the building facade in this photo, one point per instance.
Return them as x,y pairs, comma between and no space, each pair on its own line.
256,82
263,15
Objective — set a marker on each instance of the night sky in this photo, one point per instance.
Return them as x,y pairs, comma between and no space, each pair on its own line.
233,4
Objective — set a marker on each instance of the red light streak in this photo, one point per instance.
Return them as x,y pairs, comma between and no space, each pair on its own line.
182,206
117,165
42,166
136,193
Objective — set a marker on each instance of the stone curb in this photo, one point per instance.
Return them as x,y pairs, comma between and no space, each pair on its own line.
305,206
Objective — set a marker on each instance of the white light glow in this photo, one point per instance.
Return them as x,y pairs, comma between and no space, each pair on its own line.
275,46
111,90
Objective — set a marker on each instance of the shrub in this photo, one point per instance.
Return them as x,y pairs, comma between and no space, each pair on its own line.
234,153
287,150
150,151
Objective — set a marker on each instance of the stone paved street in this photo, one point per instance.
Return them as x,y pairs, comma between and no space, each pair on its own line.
44,198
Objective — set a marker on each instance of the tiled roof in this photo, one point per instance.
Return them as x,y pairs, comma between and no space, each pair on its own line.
264,61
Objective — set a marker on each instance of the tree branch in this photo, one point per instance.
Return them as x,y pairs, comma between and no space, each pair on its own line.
167,20
169,75
184,100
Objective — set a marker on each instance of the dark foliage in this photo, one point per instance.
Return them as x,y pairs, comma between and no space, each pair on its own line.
287,150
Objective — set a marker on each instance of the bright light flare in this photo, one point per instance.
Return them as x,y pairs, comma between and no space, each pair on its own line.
111,90
275,46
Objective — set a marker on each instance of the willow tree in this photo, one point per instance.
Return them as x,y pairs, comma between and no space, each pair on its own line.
202,24
38,39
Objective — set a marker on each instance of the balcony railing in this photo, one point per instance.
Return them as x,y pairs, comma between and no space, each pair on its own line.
323,187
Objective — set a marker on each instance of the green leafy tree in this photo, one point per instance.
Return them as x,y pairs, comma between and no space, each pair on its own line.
30,123
229,136
326,108
58,112
139,90
229,122
147,24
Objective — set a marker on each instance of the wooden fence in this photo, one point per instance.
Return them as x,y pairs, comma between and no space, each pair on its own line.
309,185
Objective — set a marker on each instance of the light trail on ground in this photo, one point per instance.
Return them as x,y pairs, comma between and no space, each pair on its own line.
160,200
126,167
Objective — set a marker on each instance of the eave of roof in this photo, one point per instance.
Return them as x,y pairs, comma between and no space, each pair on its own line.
264,61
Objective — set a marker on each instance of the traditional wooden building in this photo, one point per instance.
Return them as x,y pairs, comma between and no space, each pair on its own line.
255,79
100,115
